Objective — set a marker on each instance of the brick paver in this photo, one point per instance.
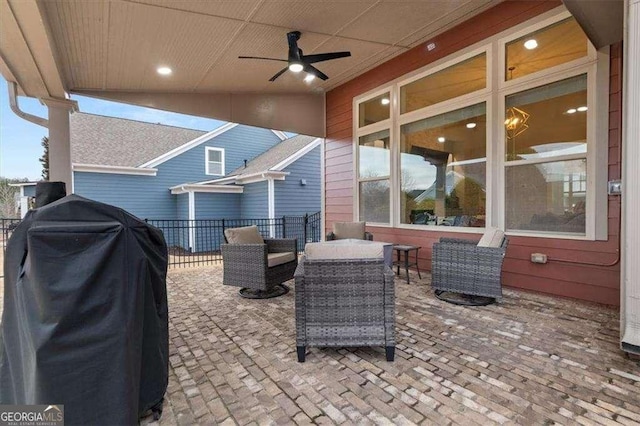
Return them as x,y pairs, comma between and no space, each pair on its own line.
529,359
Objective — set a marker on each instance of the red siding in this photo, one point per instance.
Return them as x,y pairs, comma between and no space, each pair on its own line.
587,282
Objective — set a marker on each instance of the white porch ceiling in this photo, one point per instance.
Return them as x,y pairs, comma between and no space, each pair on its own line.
115,46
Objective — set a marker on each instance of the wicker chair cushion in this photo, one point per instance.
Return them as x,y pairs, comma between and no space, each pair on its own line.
344,230
492,238
244,235
318,251
275,259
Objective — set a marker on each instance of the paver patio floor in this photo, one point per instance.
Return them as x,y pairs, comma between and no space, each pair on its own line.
530,359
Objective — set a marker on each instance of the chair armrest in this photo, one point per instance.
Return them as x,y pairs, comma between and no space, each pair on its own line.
330,236
368,236
281,245
457,241
299,273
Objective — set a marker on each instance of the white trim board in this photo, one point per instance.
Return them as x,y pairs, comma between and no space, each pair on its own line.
216,189
118,170
187,146
280,134
248,178
297,155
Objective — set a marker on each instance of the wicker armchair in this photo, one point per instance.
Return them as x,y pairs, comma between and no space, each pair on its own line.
259,268
346,230
344,301
465,273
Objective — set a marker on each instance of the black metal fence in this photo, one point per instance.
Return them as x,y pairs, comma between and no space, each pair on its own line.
197,242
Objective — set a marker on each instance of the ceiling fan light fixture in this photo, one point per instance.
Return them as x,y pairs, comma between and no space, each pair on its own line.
295,67
309,78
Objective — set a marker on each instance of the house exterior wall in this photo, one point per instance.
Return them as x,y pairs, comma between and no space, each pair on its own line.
217,206
149,196
254,203
293,198
30,191
594,282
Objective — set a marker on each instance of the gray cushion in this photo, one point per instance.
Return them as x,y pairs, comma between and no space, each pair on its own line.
492,238
275,259
244,235
317,251
344,230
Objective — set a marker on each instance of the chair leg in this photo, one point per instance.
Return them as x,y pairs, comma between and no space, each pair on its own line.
417,267
301,353
391,352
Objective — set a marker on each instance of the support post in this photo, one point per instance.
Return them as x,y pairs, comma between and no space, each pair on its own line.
60,141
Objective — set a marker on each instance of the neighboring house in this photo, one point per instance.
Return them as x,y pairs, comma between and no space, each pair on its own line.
169,173
26,190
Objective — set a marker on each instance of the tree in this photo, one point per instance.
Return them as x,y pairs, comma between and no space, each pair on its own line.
44,160
8,197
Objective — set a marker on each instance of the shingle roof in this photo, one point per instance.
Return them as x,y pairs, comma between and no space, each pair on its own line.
268,159
96,139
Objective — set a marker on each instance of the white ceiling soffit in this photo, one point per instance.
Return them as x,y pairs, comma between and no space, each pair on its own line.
102,48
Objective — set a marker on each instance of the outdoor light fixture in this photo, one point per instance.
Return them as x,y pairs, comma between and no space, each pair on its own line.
582,108
471,125
309,78
571,111
295,67
164,70
441,139
385,101
531,44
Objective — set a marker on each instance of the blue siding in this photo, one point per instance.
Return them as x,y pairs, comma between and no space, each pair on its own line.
213,206
294,199
182,206
30,191
149,196
255,201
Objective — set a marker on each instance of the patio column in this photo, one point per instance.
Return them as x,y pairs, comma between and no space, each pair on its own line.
630,274
60,141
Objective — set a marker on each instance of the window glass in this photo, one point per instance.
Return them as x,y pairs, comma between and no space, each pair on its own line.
214,162
547,197
374,201
374,110
547,121
443,169
374,155
459,79
546,48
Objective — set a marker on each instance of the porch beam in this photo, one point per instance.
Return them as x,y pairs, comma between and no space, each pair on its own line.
303,114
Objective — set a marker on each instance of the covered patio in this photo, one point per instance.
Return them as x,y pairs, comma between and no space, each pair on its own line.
529,359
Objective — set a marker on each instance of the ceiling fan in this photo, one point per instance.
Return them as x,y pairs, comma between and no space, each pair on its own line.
298,61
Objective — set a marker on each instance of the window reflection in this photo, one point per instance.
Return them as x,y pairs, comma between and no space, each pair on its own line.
443,169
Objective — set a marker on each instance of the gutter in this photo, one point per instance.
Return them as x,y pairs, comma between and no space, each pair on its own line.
13,103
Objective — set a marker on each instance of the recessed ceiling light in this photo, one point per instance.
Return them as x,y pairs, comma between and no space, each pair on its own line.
385,101
571,111
471,125
309,78
295,67
164,70
441,139
531,44
582,108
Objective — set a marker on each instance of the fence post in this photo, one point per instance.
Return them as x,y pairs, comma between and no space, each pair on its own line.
223,237
306,224
284,227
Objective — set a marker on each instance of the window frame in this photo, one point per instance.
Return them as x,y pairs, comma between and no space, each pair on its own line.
595,65
206,161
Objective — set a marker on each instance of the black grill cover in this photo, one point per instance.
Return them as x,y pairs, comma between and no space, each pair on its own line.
85,313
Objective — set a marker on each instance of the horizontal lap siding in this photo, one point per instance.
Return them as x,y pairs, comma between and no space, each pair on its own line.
291,197
217,206
254,204
587,282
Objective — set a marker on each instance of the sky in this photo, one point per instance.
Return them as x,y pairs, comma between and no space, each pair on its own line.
20,140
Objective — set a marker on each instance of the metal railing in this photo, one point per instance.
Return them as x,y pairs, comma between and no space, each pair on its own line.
197,242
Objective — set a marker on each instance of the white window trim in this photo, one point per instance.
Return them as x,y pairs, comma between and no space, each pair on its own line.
208,149
595,65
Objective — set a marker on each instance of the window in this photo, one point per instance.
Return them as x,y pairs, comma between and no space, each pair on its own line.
526,153
214,161
443,169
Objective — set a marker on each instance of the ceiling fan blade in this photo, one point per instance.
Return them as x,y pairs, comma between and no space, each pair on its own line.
278,74
315,71
310,59
259,57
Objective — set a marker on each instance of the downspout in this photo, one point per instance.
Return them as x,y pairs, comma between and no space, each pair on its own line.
13,103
